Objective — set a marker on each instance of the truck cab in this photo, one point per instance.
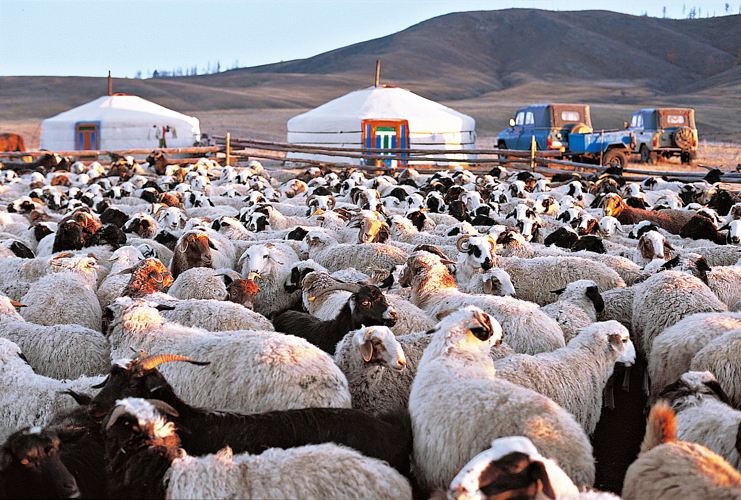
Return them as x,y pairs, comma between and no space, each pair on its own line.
550,124
664,132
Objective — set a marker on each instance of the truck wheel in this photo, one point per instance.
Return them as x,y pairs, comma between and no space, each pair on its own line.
685,157
615,157
683,137
645,154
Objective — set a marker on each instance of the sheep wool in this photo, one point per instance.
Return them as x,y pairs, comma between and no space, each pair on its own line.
720,356
198,283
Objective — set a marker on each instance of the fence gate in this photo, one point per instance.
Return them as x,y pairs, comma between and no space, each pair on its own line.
386,134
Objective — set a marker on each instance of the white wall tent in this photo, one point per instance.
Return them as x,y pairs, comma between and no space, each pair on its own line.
119,122
381,117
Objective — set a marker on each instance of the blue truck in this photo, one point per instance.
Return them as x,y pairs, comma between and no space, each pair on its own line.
566,128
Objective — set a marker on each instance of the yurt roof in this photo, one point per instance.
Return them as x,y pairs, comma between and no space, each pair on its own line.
122,109
346,113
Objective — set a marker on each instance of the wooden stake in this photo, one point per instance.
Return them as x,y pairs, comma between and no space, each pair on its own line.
228,148
110,83
378,72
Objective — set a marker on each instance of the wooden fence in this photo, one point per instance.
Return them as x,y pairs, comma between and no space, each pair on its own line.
228,150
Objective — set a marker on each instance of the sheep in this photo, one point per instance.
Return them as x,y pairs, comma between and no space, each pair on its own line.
674,348
147,461
455,375
527,329
374,363
193,249
366,306
325,250
562,374
58,351
664,299
671,220
388,436
720,356
215,315
65,298
199,283
30,466
652,245
513,466
29,399
273,371
271,264
114,283
577,306
704,415
668,468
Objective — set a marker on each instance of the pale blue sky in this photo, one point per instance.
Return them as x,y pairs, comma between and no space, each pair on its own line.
89,38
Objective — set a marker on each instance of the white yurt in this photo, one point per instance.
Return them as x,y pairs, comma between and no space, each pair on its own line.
381,117
119,122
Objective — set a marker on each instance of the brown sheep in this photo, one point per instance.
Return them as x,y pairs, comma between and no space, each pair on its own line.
243,292
192,250
147,276
671,220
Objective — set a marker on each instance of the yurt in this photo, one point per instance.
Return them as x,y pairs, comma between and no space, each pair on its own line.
382,117
119,122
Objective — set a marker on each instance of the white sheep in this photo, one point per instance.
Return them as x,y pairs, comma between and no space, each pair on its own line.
664,299
458,405
215,315
114,283
704,415
375,365
272,263
27,399
673,349
574,376
65,298
325,250
720,356
577,306
58,351
199,283
251,371
527,329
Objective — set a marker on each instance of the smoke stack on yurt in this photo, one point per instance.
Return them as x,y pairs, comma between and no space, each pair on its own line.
382,117
119,122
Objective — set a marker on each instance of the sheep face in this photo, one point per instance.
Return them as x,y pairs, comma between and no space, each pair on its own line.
609,225
369,306
30,464
147,276
171,218
378,345
193,250
653,245
470,327
261,259
498,282
691,388
257,222
242,292
477,251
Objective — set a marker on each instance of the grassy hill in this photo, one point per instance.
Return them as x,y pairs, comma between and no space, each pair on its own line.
485,64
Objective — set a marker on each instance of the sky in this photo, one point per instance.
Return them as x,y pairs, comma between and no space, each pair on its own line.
133,38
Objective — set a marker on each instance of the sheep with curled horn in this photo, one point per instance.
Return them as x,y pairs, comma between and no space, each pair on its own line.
317,202
371,230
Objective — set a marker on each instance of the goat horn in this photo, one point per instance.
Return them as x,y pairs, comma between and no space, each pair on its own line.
64,255
333,201
153,361
16,304
252,276
461,244
309,199
117,411
347,287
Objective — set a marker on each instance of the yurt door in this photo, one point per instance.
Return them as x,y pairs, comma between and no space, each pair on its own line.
386,134
87,137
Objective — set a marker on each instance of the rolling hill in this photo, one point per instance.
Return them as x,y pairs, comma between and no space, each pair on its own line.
484,63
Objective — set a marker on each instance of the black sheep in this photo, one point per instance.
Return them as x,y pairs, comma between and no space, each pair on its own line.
367,306
202,431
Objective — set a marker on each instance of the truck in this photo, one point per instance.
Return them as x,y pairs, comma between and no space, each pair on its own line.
664,132
566,128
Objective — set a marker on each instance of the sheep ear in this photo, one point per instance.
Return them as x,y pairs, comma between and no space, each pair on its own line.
538,471
488,286
616,342
5,458
130,270
559,291
164,307
645,249
212,245
366,350
163,407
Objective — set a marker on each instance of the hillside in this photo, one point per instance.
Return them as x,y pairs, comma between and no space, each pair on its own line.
484,63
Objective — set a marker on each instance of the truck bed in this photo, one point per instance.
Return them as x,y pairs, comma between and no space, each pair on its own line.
599,140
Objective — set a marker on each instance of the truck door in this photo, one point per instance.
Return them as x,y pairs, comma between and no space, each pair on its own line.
527,131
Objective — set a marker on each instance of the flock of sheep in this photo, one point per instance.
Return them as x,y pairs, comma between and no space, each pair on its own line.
209,331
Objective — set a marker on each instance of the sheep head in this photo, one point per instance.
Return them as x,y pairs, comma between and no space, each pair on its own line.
147,276
136,378
243,291
479,250
193,250
378,345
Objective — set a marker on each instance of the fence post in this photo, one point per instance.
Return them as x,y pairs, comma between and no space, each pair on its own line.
533,146
228,149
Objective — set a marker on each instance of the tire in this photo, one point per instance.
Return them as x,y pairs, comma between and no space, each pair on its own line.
686,158
580,128
615,156
683,137
645,154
